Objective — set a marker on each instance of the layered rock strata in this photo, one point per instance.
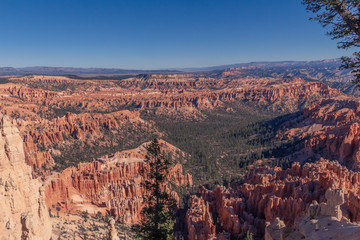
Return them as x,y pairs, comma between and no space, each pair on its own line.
46,138
198,220
183,95
110,185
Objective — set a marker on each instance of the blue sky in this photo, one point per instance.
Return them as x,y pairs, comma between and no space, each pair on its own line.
158,34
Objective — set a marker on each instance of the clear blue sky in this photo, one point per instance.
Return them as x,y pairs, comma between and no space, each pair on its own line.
154,34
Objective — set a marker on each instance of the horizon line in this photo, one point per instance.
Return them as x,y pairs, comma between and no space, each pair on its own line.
170,68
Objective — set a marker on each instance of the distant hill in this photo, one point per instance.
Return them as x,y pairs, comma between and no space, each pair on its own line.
9,71
328,62
326,71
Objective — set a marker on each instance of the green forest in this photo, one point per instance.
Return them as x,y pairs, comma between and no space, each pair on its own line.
223,145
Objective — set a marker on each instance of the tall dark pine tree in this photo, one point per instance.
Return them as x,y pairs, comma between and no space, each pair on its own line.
158,219
342,17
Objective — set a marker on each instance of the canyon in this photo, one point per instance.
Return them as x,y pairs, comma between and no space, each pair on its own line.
84,142
329,129
57,113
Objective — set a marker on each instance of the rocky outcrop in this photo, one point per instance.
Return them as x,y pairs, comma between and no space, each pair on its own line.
110,184
199,221
47,138
339,134
323,221
331,129
274,230
112,232
266,194
23,211
77,126
29,94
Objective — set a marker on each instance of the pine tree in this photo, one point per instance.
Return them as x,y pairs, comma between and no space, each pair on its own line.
342,17
158,219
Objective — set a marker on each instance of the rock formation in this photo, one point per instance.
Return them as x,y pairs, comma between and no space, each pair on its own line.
179,95
47,138
111,183
112,230
330,128
199,221
323,221
266,194
59,115
23,211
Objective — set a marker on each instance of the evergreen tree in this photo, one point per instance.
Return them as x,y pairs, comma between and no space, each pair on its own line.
343,19
158,219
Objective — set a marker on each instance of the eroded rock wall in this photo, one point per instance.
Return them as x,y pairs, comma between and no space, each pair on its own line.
322,222
266,194
111,184
23,212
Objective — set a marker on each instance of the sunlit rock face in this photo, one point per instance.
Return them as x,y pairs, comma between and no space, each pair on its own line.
323,221
266,194
111,184
23,212
329,128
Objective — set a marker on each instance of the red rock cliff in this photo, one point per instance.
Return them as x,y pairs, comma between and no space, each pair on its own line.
110,184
